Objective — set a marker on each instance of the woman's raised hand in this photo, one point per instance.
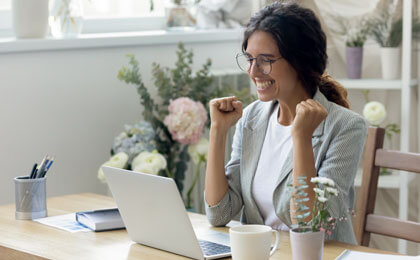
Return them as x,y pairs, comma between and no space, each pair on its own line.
225,112
309,114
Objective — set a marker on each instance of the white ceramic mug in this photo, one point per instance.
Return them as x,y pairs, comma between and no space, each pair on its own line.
252,242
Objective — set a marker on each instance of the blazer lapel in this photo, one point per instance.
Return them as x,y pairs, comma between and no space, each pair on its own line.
288,164
253,139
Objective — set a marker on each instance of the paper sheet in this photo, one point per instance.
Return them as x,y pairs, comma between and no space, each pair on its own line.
350,254
65,222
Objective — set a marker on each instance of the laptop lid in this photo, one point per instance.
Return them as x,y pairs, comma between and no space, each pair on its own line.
153,211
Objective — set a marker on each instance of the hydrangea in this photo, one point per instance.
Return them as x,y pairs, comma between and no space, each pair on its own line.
186,120
135,139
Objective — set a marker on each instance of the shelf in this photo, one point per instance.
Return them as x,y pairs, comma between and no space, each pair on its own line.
386,181
374,84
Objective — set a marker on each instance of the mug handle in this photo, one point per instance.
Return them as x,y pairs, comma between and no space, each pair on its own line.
276,244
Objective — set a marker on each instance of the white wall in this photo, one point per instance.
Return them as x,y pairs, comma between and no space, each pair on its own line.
70,104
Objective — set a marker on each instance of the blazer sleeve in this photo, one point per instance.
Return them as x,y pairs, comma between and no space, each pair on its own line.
230,205
340,164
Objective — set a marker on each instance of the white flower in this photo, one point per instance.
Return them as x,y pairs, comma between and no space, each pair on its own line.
119,160
374,112
199,149
322,199
332,191
323,180
147,162
320,192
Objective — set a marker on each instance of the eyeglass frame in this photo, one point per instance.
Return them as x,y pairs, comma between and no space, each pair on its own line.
258,65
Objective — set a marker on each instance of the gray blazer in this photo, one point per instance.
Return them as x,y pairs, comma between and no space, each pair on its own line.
337,143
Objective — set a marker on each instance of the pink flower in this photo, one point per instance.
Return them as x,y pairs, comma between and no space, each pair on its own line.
329,232
322,229
186,120
330,219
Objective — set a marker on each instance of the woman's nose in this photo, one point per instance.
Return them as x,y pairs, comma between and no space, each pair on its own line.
254,69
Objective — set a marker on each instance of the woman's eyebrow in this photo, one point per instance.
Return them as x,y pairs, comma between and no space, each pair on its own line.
261,54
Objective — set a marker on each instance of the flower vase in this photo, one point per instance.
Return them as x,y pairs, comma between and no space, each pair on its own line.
354,58
179,15
306,245
390,60
30,18
66,18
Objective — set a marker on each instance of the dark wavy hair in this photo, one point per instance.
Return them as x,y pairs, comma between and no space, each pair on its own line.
302,42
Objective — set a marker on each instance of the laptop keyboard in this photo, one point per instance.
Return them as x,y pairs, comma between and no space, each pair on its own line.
210,248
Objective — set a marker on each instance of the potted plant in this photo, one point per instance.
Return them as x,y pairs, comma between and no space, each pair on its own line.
307,237
388,34
356,33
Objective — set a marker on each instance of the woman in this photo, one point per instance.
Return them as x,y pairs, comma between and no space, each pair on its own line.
300,126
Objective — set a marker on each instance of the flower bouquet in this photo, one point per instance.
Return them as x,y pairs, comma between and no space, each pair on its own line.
174,123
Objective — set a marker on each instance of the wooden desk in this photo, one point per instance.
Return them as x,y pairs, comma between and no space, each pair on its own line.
23,239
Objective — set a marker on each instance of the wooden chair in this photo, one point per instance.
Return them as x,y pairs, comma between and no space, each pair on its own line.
374,158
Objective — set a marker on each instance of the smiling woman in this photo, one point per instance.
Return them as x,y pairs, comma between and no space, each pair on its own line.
300,127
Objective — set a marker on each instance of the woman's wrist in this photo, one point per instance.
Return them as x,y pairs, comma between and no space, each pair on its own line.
217,129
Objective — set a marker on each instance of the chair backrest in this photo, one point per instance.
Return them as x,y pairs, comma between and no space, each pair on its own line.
374,158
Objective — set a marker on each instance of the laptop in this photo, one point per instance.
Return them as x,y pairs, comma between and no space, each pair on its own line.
154,215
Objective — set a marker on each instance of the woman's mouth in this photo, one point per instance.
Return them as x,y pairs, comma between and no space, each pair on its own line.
263,85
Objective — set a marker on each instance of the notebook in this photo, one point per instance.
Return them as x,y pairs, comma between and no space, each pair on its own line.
350,254
101,220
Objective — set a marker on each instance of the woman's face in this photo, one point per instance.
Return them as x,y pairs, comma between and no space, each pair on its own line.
282,80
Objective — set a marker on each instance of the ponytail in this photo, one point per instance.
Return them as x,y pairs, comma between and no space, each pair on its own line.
333,90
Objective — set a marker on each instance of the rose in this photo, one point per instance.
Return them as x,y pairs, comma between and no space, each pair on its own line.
119,160
374,112
147,162
186,120
200,149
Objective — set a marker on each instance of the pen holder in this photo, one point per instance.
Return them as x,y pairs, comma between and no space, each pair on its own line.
30,197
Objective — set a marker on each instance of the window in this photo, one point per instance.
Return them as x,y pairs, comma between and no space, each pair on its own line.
102,16
121,8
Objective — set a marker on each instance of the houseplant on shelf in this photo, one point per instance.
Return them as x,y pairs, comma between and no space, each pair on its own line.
307,237
388,34
355,33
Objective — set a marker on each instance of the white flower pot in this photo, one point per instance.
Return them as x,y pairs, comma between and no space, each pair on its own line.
390,63
307,245
30,18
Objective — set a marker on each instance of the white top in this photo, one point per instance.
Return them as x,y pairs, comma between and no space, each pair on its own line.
276,147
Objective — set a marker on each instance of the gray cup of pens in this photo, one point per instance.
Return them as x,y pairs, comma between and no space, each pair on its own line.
30,197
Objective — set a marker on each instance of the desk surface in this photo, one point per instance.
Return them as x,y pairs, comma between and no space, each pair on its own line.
23,239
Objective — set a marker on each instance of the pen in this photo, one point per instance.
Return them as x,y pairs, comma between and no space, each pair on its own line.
41,167
47,167
33,172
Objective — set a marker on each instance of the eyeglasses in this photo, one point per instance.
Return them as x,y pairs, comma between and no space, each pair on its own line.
264,64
